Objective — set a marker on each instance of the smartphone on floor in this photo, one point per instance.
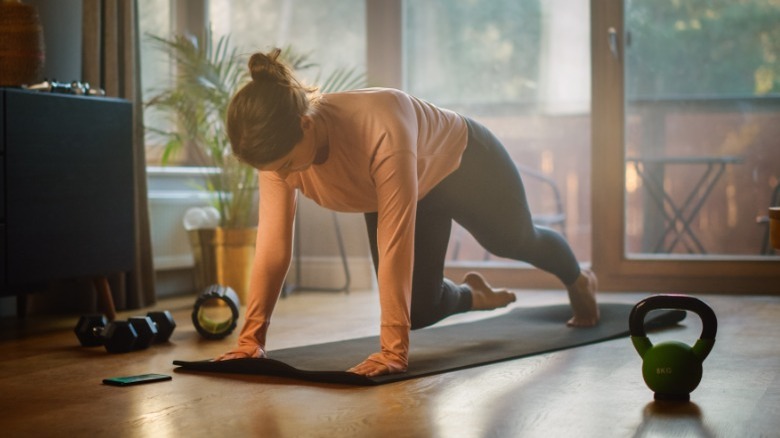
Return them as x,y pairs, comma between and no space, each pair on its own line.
136,380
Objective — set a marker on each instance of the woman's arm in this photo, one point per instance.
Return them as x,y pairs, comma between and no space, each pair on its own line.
396,185
273,252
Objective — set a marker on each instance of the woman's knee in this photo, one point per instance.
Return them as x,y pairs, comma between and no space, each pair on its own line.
422,320
436,302
425,311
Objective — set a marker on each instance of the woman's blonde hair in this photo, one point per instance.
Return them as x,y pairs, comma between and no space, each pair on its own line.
264,116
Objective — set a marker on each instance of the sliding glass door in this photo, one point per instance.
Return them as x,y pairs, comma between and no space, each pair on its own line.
686,144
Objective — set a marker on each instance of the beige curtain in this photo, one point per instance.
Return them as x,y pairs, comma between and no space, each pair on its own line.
111,60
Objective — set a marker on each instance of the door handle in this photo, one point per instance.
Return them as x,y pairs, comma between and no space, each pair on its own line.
612,38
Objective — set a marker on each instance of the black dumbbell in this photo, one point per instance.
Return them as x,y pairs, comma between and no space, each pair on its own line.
146,330
116,337
163,321
137,333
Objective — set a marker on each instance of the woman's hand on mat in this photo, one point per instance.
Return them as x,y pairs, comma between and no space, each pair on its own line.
379,364
242,352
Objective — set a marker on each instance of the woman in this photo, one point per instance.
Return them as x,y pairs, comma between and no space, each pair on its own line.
412,168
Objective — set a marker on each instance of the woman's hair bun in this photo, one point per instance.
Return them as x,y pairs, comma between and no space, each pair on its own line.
267,67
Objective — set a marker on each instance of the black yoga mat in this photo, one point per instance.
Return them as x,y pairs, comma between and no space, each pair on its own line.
524,331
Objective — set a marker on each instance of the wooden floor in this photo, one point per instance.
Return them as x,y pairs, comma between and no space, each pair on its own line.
49,386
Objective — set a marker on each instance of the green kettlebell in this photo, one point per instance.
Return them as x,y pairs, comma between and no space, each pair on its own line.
672,369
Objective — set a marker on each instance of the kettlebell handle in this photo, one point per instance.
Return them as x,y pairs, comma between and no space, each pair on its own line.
636,320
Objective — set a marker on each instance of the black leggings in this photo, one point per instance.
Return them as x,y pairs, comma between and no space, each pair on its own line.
486,196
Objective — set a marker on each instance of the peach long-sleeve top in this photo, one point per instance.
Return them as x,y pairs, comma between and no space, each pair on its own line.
387,150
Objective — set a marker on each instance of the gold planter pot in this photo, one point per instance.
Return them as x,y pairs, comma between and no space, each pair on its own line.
223,256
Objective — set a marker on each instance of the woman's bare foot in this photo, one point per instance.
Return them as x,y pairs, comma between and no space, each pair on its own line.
483,297
582,295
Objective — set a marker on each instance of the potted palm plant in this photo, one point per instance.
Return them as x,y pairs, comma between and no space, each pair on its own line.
207,75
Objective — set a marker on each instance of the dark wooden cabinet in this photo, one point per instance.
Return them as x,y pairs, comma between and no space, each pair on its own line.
66,187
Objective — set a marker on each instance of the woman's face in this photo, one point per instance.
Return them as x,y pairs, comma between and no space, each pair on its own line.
299,158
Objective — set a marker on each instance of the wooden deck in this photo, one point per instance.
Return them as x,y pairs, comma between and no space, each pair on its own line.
52,387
